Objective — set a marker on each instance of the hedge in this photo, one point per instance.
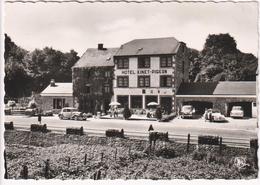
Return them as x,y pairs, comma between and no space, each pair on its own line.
153,136
9,126
208,140
39,128
75,131
115,133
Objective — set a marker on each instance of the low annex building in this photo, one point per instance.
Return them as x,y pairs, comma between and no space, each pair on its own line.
56,96
222,95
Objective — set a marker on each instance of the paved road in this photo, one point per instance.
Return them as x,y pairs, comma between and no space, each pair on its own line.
237,128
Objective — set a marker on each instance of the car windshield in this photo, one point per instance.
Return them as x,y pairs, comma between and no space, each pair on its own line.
237,108
187,108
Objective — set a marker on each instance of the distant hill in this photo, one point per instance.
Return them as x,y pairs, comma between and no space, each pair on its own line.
221,60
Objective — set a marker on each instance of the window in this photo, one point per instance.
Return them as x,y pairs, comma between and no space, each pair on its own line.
122,81
87,88
107,74
166,61
107,88
165,81
143,81
58,103
143,62
122,63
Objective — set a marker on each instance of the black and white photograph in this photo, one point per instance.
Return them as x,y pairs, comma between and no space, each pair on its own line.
129,90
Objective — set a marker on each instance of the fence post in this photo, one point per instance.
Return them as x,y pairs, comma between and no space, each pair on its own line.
188,143
46,170
98,175
85,160
102,154
115,154
24,172
6,172
68,162
220,145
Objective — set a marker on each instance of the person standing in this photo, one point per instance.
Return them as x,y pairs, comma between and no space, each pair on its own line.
40,118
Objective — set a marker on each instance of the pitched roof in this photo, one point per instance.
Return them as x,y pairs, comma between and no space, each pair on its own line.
218,88
153,46
236,88
96,58
197,88
59,89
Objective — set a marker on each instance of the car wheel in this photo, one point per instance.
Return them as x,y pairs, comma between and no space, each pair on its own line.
60,116
76,118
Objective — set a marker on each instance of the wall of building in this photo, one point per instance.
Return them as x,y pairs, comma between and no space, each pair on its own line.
155,71
220,103
93,79
47,102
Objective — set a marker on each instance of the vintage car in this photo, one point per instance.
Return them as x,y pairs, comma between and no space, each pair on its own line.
237,112
72,113
214,115
187,111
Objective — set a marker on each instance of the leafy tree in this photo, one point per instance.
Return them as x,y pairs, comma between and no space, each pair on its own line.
221,60
126,112
158,113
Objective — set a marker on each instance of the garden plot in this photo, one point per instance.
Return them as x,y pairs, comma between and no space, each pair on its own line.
58,156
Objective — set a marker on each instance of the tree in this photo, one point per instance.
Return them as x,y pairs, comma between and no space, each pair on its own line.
158,113
126,112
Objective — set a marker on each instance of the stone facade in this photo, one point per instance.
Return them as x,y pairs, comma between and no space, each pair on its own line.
47,102
92,88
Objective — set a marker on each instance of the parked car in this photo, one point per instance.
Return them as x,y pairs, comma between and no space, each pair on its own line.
47,113
237,112
72,113
214,115
8,111
187,111
30,111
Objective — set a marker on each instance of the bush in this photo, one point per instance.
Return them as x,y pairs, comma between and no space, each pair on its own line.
115,133
165,152
75,131
153,136
9,126
126,112
39,128
197,155
158,113
208,140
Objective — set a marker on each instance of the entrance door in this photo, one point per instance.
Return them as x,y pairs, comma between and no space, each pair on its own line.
166,104
136,102
123,100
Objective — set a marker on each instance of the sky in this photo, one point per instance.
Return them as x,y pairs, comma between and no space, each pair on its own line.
66,26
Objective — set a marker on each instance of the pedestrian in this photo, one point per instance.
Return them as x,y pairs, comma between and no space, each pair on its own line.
116,111
40,118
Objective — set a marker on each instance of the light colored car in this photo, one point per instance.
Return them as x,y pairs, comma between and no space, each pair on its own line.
215,115
237,112
72,113
187,111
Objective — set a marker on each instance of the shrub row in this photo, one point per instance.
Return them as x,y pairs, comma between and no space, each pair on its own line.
9,126
39,128
75,131
254,143
153,136
208,140
115,133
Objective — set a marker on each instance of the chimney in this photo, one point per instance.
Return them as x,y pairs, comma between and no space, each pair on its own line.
52,83
100,46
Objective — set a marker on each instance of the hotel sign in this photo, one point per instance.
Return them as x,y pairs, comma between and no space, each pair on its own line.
144,72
